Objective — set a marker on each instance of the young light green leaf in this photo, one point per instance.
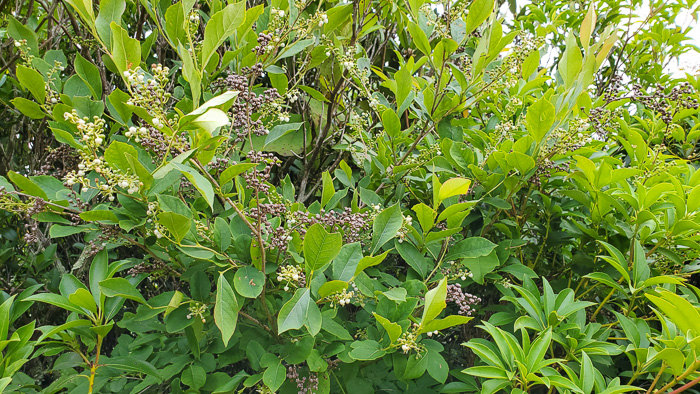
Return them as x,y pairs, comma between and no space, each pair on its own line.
479,10
540,118
434,302
393,329
453,187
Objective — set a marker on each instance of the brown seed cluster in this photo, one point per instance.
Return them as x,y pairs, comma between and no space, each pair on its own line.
305,384
464,301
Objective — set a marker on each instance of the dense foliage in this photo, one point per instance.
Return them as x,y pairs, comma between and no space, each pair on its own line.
319,196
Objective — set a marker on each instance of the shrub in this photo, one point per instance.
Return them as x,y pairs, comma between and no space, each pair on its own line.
320,196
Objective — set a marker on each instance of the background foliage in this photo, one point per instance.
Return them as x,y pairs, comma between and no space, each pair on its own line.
320,196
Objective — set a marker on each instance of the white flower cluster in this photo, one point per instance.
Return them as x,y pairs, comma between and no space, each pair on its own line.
137,132
148,91
92,135
197,309
92,132
292,274
321,17
403,231
342,298
407,340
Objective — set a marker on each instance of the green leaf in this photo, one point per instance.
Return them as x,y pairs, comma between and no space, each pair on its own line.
520,161
426,216
640,267
393,329
314,93
296,48
320,247
249,281
56,300
479,10
441,324
300,311
332,287
419,38
453,187
32,81
280,131
540,118
233,171
176,224
385,227
126,51
26,185
369,261
274,376
226,309
413,257
100,215
366,350
434,302
571,61
328,189
345,263
18,31
28,108
200,182
132,364
221,25
110,11
58,231
120,287
83,299
89,73
470,248
115,155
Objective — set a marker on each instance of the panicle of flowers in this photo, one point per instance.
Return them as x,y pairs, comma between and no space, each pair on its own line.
464,301
291,275
453,271
154,141
408,341
24,51
197,309
404,230
342,298
148,91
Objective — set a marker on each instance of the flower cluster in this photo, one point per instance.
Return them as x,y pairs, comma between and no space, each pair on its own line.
408,341
662,103
341,298
453,270
293,275
154,141
197,309
259,180
148,91
464,301
403,231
